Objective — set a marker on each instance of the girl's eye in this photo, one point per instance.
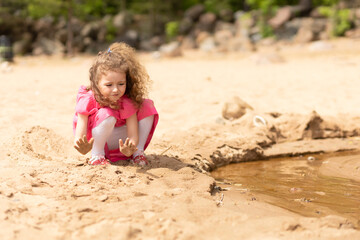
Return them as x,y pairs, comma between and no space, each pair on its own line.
108,85
121,84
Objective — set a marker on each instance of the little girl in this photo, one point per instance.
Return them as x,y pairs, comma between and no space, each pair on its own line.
112,118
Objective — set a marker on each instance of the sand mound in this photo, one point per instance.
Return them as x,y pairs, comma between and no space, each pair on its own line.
207,147
40,143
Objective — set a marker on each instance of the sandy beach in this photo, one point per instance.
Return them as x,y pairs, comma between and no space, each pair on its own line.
308,95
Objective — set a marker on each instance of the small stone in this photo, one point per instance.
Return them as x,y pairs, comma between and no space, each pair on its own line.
220,121
295,190
235,108
311,158
103,198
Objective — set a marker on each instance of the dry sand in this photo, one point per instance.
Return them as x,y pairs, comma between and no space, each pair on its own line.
47,191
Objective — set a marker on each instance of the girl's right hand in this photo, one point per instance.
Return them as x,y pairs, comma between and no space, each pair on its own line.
83,145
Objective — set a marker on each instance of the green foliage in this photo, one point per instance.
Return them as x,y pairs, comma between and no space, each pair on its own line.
110,31
40,8
267,10
171,29
215,6
324,2
141,6
340,18
266,30
342,22
326,11
189,3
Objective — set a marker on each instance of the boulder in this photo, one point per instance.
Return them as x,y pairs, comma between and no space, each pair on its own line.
121,21
208,44
188,43
222,39
282,16
226,15
23,46
131,37
171,49
48,47
207,22
194,12
185,25
91,30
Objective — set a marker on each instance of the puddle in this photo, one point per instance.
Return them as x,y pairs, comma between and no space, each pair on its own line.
297,185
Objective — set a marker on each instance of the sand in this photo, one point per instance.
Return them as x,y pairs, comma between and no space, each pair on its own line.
308,95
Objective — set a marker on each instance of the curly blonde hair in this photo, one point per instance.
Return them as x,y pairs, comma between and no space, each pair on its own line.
120,57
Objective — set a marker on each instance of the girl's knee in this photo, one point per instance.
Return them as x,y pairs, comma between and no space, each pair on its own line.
108,122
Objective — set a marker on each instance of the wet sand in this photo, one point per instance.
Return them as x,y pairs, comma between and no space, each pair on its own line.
47,190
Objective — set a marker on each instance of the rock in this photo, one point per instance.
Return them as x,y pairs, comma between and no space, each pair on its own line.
200,38
269,58
22,46
157,41
147,45
188,43
120,21
282,16
320,46
48,47
315,13
103,198
353,33
61,35
208,44
357,13
222,39
226,15
44,26
171,49
241,43
220,25
91,30
289,30
185,25
310,29
207,22
194,12
235,108
131,37
304,35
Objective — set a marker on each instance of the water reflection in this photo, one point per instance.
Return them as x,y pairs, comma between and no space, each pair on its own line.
297,185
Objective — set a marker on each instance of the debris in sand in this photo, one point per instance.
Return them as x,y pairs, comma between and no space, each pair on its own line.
166,150
235,108
103,198
259,121
220,202
311,159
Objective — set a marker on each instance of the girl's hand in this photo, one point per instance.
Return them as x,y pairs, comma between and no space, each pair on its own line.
83,145
127,148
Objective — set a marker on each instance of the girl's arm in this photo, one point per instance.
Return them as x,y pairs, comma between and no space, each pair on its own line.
80,142
81,126
133,129
129,146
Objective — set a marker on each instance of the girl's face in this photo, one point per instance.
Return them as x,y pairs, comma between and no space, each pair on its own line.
112,85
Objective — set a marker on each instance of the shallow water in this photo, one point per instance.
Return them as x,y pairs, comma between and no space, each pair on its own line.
296,184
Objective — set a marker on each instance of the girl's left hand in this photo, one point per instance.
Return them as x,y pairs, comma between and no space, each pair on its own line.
83,145
127,148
